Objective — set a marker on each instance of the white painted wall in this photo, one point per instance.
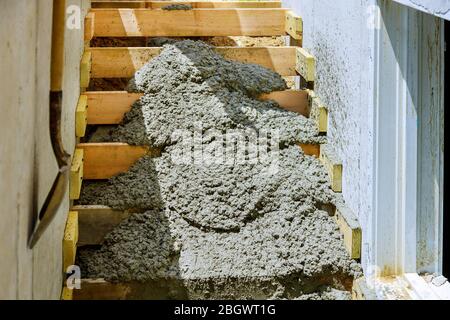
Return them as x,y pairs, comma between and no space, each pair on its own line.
339,34
27,163
380,74
439,8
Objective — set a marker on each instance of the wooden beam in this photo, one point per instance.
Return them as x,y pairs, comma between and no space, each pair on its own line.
76,174
291,100
319,112
195,23
294,26
67,294
85,69
194,4
104,160
333,166
95,222
306,65
89,26
350,229
81,116
322,121
109,107
99,289
124,62
310,149
70,240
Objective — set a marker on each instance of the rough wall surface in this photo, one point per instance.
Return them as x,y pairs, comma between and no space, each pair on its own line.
339,34
27,165
439,8
358,65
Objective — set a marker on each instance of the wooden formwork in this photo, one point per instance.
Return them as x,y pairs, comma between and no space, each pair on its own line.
193,4
95,161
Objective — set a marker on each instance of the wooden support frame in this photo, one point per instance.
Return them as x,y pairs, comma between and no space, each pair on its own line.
194,4
81,116
294,26
306,65
123,62
89,25
99,289
196,22
109,107
350,229
95,222
76,174
104,160
70,240
67,294
310,149
85,69
333,166
319,112
322,118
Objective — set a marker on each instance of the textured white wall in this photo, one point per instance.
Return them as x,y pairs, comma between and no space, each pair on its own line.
27,164
439,8
340,35
351,50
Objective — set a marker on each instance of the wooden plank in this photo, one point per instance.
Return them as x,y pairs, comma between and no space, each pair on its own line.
85,69
333,165
350,229
311,149
319,112
291,100
89,26
306,65
99,289
104,160
76,174
95,222
70,240
322,121
124,62
81,116
194,4
294,26
119,4
197,22
67,294
109,107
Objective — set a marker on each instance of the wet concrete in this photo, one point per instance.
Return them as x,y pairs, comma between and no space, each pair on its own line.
189,83
228,229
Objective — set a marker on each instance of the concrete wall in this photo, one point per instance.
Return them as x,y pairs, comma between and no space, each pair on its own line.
438,8
339,34
27,165
360,71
